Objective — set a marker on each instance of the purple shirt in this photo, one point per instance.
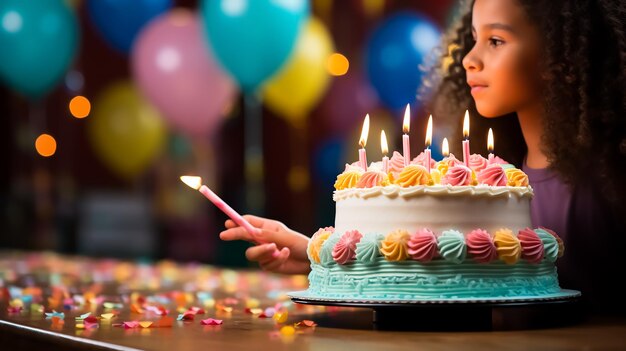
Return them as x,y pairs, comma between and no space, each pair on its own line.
551,204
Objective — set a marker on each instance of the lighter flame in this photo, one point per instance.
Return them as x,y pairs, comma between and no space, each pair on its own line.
490,140
445,149
429,131
192,181
365,131
383,143
466,125
406,124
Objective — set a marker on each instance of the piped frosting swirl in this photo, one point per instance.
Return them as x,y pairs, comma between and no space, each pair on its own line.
345,249
480,246
477,163
423,245
394,246
457,176
532,246
492,175
507,245
368,249
413,175
452,246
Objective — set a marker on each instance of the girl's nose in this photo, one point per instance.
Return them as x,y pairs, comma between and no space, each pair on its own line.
471,61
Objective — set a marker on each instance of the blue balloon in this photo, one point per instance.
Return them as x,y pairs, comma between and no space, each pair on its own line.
328,160
38,42
394,54
252,39
119,21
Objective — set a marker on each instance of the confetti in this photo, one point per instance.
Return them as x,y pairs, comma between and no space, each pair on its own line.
287,330
14,310
306,323
135,308
269,312
281,317
107,316
145,324
165,322
130,324
187,316
211,321
55,314
57,320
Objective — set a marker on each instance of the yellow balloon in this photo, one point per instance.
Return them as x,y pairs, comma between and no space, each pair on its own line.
300,84
126,132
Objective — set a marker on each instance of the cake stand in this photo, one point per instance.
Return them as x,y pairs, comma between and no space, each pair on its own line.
514,313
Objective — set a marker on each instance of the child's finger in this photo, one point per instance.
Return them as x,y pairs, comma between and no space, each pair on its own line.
261,253
237,233
274,264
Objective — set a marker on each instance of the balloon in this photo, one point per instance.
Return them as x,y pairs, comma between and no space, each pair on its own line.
175,70
394,54
252,39
297,88
348,99
119,21
38,42
329,160
125,131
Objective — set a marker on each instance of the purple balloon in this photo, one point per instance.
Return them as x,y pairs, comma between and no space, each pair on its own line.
175,69
349,98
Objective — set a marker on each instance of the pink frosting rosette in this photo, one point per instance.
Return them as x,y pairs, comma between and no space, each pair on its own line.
497,161
493,175
477,162
396,164
457,175
480,246
345,249
532,246
371,179
423,245
421,160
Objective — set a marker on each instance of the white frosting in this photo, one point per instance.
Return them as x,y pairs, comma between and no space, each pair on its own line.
438,208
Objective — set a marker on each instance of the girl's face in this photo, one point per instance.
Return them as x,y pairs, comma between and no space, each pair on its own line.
503,66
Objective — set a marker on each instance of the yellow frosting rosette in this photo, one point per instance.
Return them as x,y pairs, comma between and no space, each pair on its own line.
394,246
435,175
515,177
315,246
413,175
507,246
442,167
347,180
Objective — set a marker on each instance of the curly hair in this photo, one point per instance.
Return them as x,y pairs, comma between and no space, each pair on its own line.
584,67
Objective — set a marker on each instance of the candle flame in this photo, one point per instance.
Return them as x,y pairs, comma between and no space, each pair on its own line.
192,181
429,131
383,143
490,141
466,125
445,149
365,131
406,124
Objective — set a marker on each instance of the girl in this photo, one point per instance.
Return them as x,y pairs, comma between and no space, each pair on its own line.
549,76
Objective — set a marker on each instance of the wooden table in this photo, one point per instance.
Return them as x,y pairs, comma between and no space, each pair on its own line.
337,329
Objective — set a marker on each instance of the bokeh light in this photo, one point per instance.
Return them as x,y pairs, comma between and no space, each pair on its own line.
45,145
337,64
80,107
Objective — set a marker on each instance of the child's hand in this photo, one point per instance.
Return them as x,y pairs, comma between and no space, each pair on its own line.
282,250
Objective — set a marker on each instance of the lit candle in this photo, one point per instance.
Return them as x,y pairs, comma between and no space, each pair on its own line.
385,149
466,146
363,141
428,140
196,183
490,145
445,149
406,126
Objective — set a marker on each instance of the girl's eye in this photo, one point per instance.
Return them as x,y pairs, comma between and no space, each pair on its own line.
495,42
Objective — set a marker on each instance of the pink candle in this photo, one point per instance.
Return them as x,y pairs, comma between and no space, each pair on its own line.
406,127
385,149
490,146
466,146
427,141
363,141
195,182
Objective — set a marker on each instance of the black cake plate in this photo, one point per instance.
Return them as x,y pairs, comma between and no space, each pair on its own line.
560,309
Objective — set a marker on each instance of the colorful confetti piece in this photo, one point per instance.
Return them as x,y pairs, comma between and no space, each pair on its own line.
211,321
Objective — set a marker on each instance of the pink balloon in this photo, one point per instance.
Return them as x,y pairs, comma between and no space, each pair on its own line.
349,98
175,69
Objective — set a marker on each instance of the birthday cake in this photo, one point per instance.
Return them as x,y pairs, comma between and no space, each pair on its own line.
456,231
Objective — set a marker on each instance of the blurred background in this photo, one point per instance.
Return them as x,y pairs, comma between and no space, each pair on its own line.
104,104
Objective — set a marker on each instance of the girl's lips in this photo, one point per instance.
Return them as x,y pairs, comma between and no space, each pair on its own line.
478,88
